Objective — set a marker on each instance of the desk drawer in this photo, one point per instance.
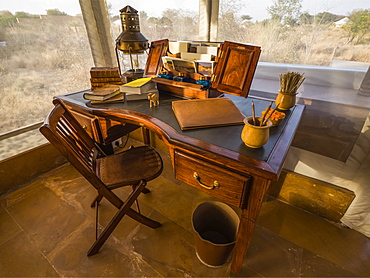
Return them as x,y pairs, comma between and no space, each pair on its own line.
85,122
211,178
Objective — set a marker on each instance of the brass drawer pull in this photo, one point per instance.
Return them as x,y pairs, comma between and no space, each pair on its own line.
216,184
84,127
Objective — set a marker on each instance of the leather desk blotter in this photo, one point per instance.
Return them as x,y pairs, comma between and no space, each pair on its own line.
210,112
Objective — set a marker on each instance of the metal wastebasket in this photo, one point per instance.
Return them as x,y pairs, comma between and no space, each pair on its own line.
215,227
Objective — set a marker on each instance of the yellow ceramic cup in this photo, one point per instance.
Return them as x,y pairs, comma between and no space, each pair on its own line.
255,136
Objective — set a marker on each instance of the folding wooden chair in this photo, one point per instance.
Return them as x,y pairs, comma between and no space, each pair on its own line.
133,167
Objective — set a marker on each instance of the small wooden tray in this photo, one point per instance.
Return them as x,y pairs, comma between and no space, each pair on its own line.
184,89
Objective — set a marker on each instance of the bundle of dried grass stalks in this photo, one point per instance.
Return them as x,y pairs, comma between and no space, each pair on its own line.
290,82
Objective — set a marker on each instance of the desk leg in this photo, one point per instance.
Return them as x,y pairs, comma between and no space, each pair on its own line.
248,221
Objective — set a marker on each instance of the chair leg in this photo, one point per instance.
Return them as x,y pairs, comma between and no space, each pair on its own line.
96,220
125,209
136,201
96,200
134,214
143,219
146,191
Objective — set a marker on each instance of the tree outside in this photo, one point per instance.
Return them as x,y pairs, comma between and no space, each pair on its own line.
359,26
286,12
55,12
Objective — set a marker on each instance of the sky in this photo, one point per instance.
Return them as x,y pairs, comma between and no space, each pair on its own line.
256,9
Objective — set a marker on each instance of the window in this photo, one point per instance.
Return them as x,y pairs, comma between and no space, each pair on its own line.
305,32
289,34
43,54
173,20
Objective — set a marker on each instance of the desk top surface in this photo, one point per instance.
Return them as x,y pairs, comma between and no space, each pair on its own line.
224,137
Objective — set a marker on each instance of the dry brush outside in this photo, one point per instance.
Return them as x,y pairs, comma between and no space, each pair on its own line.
37,65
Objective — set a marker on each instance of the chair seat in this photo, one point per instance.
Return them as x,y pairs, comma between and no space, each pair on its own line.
129,167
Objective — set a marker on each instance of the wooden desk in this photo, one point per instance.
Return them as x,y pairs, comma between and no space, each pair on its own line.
214,153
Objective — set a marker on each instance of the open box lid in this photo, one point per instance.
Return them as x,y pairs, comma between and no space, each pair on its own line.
154,61
235,67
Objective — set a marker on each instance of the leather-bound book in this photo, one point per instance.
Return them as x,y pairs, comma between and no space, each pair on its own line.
210,112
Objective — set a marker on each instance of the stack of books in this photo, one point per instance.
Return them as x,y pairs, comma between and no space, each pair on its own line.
101,76
105,85
138,89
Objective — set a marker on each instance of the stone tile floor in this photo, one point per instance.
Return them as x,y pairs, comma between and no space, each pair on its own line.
47,227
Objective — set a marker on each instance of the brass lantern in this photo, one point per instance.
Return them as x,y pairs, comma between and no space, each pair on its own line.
131,42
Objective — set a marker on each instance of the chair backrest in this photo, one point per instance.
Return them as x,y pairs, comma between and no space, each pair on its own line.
66,134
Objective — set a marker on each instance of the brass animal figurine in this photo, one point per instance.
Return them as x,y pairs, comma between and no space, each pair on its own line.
154,99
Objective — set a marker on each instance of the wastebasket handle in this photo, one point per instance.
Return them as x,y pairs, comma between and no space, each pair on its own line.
216,184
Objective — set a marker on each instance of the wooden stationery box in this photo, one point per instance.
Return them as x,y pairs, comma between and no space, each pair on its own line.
233,73
214,179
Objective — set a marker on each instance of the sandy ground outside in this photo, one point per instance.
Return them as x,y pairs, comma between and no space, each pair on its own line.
21,143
